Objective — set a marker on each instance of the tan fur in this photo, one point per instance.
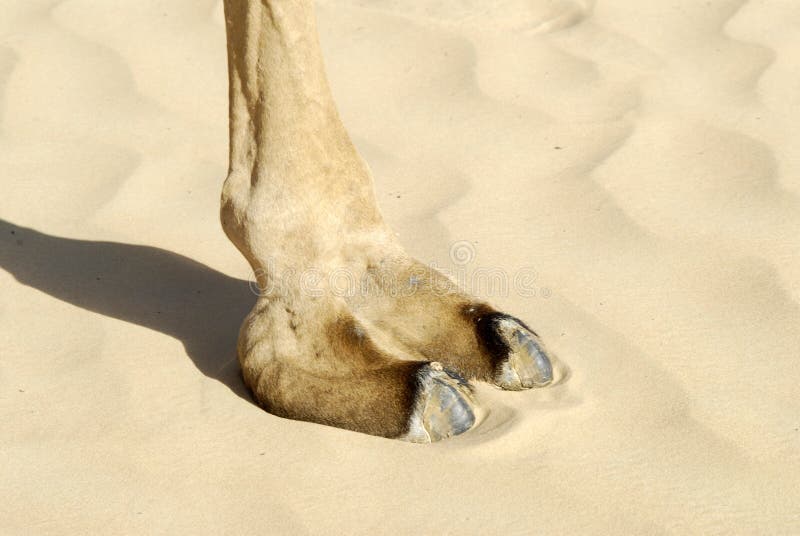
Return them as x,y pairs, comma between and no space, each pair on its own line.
298,197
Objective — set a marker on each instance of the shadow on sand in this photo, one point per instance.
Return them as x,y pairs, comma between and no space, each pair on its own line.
143,285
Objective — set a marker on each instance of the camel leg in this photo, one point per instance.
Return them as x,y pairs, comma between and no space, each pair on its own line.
299,204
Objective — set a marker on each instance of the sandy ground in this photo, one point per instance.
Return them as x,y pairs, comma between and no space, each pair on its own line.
641,157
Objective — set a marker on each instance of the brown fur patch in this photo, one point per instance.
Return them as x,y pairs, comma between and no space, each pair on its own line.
374,394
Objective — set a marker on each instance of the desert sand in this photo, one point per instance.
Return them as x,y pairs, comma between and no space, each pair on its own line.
641,157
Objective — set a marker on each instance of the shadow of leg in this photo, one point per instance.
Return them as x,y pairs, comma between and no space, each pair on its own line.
143,285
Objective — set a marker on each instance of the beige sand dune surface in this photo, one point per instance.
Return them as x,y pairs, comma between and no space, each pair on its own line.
636,162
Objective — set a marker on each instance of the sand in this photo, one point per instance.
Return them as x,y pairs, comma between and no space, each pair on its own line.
641,158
